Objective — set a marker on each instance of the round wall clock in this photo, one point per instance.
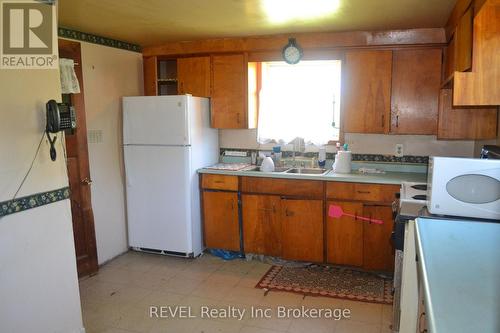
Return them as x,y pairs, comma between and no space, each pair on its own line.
292,53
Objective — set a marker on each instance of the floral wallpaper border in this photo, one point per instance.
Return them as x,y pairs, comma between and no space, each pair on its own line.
355,157
85,37
32,201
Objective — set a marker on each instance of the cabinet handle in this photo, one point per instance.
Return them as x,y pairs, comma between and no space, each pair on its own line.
238,117
397,120
218,182
364,192
266,209
383,122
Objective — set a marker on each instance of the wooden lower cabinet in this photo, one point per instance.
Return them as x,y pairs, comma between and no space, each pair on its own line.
302,229
262,224
344,235
220,220
354,242
378,251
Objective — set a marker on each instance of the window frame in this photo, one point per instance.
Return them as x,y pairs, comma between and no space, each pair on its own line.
257,63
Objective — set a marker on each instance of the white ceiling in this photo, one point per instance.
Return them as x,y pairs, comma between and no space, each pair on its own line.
153,22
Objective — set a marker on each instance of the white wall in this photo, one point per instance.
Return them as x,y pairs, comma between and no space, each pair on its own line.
365,143
108,74
38,278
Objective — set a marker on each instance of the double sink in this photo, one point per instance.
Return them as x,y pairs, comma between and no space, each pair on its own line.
303,171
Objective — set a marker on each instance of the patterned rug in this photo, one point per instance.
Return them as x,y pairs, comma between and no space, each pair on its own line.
337,282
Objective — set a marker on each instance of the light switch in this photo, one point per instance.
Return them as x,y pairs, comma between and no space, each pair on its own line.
94,136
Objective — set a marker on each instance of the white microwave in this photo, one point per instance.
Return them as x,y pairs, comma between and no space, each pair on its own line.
464,187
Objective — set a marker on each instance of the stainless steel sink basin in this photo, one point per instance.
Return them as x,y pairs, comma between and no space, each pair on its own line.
276,169
308,171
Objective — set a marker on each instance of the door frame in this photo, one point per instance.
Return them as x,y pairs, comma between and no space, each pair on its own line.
72,50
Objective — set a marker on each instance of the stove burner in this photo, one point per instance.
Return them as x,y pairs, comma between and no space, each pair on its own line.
422,187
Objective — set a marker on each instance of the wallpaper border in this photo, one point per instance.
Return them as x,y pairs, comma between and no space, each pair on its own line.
86,37
32,201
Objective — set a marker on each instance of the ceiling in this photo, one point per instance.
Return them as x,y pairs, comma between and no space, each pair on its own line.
153,22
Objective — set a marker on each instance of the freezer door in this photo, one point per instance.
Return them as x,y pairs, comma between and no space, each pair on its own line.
158,197
155,120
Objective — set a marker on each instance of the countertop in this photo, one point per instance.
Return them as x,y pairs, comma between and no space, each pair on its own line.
382,178
460,272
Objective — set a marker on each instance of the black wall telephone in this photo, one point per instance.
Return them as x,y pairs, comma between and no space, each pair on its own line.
60,117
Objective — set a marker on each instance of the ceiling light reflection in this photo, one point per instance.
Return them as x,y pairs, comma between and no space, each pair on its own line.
280,11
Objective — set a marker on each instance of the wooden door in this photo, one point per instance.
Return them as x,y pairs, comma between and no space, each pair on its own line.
262,224
465,123
220,220
229,91
378,251
79,171
302,229
344,235
416,78
367,91
193,75
150,65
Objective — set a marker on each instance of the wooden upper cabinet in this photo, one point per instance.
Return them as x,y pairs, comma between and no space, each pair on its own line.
302,229
150,76
262,224
220,220
463,42
367,91
193,76
465,123
229,91
378,251
480,86
416,78
344,235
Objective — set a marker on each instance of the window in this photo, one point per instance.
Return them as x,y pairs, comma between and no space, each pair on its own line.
301,100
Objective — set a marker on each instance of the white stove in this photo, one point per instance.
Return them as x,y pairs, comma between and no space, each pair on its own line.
413,197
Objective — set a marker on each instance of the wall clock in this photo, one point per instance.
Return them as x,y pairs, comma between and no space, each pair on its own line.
292,53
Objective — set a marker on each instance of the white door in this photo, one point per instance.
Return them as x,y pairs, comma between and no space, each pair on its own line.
158,194
155,120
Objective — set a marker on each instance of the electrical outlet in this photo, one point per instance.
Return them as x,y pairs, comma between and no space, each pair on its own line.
399,150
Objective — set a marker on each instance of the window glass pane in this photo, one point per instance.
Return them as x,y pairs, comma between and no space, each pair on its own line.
300,101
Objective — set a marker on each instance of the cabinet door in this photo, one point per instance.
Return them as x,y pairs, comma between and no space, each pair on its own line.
262,224
416,80
229,91
302,229
193,75
344,235
465,123
150,76
378,252
367,91
220,220
463,37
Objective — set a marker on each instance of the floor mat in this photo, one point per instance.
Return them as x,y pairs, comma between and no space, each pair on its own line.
337,282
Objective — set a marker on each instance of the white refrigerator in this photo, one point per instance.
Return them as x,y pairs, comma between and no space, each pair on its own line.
165,140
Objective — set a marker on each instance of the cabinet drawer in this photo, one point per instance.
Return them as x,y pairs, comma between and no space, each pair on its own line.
361,192
219,182
289,187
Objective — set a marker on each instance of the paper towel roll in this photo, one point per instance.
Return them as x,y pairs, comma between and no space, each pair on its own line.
343,162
